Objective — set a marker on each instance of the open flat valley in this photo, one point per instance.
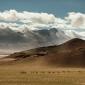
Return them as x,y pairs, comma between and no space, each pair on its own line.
22,74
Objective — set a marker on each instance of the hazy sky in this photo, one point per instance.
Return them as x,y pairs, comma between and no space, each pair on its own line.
26,24
57,7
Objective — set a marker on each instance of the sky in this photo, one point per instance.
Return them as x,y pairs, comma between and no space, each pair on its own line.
26,24
59,8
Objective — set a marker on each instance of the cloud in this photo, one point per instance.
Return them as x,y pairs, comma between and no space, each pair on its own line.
35,20
25,30
8,15
27,17
76,19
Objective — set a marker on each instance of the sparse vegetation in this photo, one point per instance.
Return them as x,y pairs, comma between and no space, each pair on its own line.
15,75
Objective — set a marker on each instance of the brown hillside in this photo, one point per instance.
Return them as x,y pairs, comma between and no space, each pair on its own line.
71,53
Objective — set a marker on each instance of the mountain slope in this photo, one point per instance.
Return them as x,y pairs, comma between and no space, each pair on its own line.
71,53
